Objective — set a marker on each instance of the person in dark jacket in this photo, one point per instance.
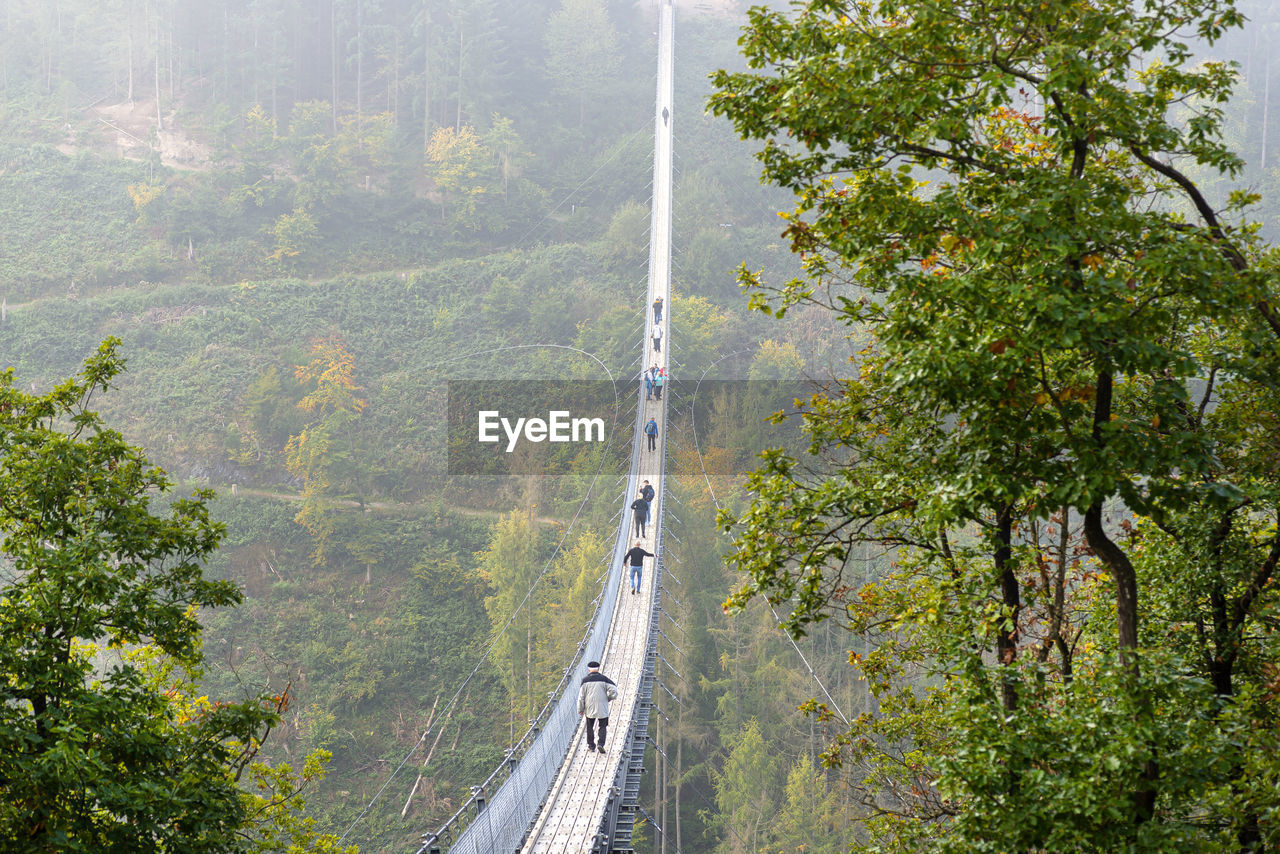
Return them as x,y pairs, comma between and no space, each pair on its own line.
593,703
636,558
647,491
640,507
657,310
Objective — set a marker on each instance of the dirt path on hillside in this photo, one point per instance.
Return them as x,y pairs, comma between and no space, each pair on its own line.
296,498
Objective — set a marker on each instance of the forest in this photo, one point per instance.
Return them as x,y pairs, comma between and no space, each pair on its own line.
298,247
294,224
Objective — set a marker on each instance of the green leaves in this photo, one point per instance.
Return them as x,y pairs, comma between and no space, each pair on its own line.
101,758
1049,346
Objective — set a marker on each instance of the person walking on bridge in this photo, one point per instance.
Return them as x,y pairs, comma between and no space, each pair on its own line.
593,703
657,338
651,430
636,558
657,310
640,507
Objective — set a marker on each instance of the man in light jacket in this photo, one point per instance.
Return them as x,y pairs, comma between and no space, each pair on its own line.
593,702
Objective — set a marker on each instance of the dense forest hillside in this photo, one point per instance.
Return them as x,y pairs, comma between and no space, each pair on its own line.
433,184
304,220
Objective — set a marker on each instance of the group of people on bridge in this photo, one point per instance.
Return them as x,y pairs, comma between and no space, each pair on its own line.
597,690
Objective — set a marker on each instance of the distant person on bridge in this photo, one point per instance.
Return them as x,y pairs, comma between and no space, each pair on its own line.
651,430
593,702
657,310
648,386
658,382
657,338
640,508
636,557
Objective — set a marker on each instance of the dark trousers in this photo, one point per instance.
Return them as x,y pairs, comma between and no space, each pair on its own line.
591,737
640,520
657,345
653,441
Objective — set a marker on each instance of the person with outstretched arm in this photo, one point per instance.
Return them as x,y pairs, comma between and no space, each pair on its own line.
594,695
635,558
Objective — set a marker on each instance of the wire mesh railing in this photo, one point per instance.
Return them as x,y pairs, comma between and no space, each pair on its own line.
499,811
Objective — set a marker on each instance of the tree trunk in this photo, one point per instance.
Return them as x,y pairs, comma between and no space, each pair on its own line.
1007,641
359,65
426,78
333,59
457,122
1115,558
679,767
129,85
1266,100
159,116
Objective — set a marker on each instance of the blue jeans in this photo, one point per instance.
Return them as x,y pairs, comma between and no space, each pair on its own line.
635,576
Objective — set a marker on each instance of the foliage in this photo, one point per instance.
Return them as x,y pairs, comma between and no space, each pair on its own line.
62,242
322,453
583,56
509,566
296,236
103,760
339,131
275,796
1053,352
746,792
461,168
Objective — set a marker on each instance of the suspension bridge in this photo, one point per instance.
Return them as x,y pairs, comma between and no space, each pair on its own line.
552,796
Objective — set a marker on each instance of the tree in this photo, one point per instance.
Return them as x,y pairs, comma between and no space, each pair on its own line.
462,170
508,149
745,793
323,454
508,567
567,601
583,57
314,153
1054,352
808,818
626,241
94,754
296,235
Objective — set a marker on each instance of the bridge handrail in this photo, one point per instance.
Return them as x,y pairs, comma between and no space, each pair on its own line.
550,732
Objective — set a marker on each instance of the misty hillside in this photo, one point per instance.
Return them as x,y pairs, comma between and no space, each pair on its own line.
305,221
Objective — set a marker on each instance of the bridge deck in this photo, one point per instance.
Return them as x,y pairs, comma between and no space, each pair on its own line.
574,812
